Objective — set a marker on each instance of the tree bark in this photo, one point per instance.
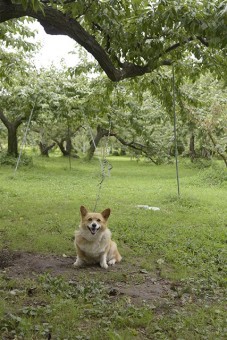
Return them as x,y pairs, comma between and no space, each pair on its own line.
65,150
12,141
68,146
100,133
192,152
12,127
44,149
221,154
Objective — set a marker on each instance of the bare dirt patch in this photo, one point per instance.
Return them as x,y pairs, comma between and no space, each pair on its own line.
139,286
24,264
150,291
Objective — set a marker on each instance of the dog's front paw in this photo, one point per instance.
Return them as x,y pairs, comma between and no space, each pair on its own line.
112,262
104,265
78,263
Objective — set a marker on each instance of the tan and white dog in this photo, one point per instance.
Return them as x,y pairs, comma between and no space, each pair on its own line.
93,240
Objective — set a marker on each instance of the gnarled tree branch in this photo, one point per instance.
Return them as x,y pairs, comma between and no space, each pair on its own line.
135,146
55,22
4,119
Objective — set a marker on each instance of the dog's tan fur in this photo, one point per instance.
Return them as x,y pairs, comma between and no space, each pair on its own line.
93,240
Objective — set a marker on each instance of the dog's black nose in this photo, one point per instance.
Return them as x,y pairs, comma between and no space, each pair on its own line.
93,225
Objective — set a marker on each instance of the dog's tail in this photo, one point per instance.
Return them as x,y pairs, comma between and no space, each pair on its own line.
118,257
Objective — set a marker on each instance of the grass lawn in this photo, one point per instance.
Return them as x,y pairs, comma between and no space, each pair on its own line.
171,283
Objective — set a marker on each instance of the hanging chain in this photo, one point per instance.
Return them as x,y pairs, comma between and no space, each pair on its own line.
105,166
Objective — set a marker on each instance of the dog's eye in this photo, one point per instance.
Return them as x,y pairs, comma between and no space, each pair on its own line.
98,220
90,219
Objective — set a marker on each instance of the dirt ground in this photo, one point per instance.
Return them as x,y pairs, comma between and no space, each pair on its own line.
139,285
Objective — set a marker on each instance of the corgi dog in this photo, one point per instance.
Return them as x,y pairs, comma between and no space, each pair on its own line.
93,240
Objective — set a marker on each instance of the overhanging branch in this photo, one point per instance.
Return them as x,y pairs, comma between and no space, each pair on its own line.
135,146
55,22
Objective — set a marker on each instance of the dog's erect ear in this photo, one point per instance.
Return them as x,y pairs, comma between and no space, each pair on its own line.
106,213
83,211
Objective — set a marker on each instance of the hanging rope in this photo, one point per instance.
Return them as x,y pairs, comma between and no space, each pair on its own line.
25,137
175,131
105,166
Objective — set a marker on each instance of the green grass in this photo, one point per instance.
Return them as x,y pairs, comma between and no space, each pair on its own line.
184,242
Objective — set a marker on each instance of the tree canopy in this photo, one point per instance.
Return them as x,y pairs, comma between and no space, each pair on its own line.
128,39
131,38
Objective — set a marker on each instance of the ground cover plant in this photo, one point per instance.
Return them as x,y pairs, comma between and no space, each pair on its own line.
172,280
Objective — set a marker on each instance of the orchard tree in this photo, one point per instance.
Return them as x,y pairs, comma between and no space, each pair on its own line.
136,119
132,38
145,128
60,110
208,118
16,47
17,101
15,95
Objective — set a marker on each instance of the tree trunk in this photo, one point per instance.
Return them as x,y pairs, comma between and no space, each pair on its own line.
66,150
221,154
44,149
100,133
68,147
192,153
12,141
12,127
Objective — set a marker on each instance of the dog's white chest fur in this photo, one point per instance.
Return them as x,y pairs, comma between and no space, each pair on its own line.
93,240
95,245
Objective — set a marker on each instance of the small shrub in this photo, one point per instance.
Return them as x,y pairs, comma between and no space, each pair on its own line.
6,159
115,153
214,175
199,163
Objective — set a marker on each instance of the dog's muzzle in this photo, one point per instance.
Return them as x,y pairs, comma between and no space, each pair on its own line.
93,227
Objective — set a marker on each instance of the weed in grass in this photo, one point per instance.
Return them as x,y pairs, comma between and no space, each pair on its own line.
27,323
